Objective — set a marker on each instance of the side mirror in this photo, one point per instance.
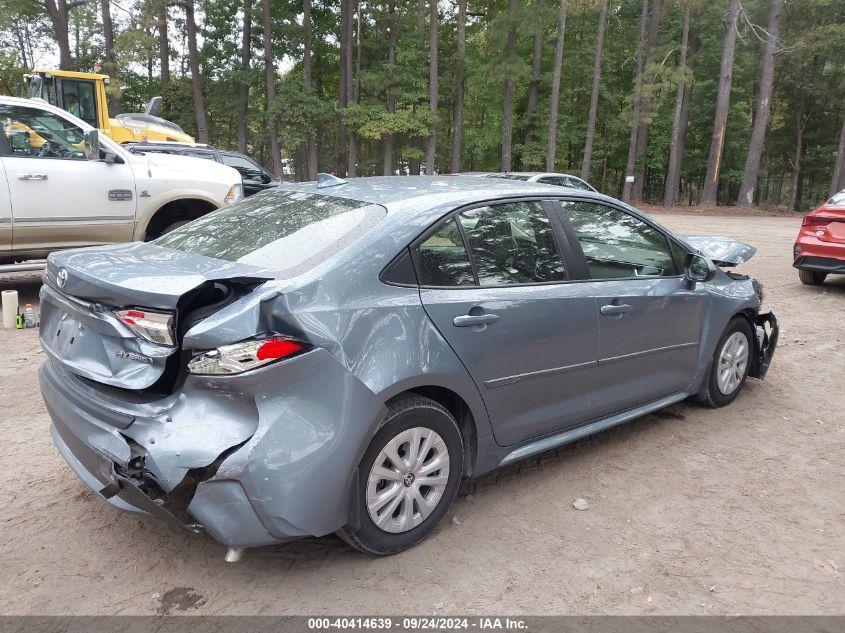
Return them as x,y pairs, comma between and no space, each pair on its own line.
698,269
92,144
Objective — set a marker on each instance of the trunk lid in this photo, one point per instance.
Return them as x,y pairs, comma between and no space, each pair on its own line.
80,332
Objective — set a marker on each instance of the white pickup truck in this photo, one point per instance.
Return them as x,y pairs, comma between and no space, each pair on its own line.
62,185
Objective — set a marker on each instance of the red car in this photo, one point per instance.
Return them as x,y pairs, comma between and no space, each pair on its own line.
819,250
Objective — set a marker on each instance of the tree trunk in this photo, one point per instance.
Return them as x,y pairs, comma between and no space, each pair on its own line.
163,43
431,150
311,141
534,83
111,63
837,182
646,102
352,155
196,77
635,107
59,12
458,128
594,97
387,159
796,163
717,142
507,115
243,87
270,80
761,116
341,89
551,143
673,171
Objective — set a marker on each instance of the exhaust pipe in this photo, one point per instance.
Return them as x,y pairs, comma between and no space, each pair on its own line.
233,554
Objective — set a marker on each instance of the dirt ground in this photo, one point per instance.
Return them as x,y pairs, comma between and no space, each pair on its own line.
691,511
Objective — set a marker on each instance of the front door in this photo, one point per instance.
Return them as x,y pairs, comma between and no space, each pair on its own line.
649,321
60,199
494,282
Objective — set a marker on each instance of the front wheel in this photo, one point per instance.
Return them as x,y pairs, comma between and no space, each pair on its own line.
731,362
811,277
408,477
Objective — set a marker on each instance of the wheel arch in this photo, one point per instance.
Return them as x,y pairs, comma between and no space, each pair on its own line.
188,207
455,404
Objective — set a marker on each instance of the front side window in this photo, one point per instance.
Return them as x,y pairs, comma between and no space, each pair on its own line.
78,99
34,133
442,259
249,171
617,245
289,232
512,243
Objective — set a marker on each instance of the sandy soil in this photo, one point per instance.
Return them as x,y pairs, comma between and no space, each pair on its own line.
692,511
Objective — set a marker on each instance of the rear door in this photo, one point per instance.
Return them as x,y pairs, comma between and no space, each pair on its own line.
650,323
60,199
494,281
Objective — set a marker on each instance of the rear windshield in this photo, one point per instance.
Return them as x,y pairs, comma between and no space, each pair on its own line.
509,176
289,232
837,200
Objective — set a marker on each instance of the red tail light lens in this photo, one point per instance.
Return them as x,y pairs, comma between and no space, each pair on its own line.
246,355
275,348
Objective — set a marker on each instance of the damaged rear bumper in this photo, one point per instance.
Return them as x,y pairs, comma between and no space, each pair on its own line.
109,464
766,341
249,467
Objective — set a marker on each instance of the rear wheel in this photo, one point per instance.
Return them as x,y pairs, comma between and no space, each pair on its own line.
731,362
811,277
408,477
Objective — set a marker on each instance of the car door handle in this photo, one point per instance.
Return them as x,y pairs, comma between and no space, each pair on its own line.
613,309
32,176
467,320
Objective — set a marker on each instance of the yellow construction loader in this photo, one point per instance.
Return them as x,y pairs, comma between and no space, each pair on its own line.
84,96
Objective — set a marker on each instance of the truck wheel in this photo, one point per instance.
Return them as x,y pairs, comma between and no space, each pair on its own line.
811,277
173,226
408,477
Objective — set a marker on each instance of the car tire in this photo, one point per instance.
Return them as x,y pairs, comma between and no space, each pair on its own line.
811,277
396,495
730,364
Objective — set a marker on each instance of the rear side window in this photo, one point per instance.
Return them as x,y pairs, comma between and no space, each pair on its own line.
442,258
288,231
512,243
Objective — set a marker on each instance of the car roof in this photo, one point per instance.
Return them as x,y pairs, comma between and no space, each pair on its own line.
398,193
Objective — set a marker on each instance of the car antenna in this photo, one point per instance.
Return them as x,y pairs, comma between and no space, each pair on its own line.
328,180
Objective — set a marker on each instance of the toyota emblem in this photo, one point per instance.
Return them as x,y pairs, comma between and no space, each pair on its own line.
61,278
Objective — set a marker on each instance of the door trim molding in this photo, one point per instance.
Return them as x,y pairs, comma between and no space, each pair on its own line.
542,373
68,218
646,352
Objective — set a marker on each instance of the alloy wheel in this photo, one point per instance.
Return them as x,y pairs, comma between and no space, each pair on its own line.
733,361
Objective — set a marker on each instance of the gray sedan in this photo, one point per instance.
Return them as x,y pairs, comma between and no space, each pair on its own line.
336,356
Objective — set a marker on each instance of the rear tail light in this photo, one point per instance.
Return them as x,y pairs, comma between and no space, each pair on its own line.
246,355
156,327
816,220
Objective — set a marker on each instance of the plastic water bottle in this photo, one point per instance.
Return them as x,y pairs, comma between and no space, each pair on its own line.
29,318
